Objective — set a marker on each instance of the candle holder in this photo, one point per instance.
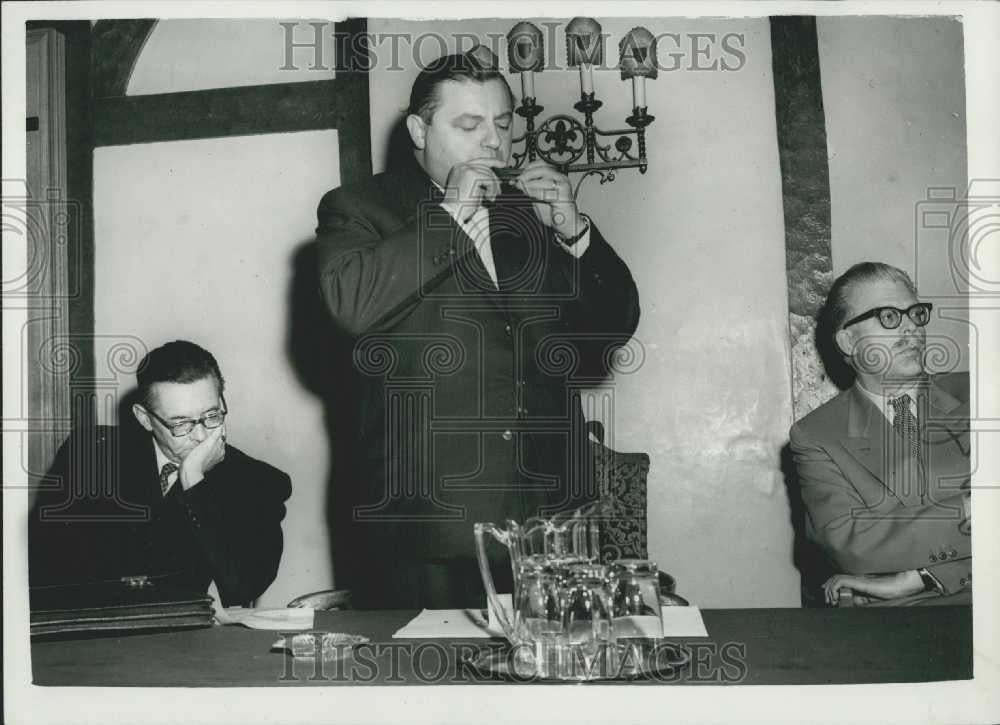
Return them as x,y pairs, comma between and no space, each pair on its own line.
562,140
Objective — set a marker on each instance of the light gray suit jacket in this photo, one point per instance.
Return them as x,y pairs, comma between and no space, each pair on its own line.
870,504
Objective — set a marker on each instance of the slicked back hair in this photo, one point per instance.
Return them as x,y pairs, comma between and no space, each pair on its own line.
179,361
426,92
837,307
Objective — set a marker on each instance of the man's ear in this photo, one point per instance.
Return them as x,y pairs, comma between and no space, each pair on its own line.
142,416
845,341
418,130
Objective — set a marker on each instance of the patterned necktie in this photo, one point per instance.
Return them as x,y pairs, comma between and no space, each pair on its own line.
165,472
905,423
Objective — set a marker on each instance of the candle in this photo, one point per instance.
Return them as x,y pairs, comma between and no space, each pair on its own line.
527,84
639,91
586,79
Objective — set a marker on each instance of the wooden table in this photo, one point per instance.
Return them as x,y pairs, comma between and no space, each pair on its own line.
745,646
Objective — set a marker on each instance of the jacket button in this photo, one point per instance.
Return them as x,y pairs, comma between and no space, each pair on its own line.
942,556
507,435
962,581
507,330
933,558
953,553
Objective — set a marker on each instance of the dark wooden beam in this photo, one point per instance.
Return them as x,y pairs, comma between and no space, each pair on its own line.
240,111
116,47
352,55
341,103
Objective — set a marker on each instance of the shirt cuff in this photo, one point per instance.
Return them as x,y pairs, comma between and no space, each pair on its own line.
931,582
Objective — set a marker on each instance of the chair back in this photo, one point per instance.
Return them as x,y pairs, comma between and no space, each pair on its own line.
621,480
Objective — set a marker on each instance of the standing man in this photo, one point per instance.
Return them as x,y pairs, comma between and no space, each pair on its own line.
472,312
171,498
884,466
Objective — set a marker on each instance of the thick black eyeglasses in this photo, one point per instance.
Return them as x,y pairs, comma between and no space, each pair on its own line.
180,428
890,317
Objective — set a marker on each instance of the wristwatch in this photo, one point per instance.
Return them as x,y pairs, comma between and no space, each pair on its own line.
570,241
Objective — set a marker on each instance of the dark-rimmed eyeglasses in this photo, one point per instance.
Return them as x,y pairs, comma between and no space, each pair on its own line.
890,317
181,428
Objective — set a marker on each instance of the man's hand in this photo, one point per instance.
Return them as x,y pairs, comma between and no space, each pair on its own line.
554,205
469,185
203,457
880,586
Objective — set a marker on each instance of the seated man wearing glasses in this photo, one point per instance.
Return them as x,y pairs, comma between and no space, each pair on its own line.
884,466
169,498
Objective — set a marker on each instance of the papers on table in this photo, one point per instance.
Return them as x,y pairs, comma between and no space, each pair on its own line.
278,619
446,623
470,624
683,622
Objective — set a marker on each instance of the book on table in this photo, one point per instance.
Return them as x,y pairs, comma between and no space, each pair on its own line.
128,603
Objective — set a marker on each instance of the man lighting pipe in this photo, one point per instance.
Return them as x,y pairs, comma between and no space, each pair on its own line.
470,309
168,497
884,466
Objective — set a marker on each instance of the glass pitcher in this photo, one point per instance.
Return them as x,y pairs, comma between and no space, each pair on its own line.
543,554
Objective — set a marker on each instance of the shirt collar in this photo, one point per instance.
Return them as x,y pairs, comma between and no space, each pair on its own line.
882,401
161,461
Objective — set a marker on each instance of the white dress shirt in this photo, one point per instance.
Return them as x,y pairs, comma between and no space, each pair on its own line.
478,230
882,401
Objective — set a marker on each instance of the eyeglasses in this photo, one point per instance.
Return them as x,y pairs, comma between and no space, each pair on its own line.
890,317
181,428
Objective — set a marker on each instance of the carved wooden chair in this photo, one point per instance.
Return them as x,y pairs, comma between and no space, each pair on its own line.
621,481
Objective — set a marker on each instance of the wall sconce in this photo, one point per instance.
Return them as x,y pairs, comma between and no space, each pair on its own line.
562,140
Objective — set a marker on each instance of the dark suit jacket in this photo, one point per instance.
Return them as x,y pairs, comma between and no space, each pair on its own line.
102,516
869,504
461,403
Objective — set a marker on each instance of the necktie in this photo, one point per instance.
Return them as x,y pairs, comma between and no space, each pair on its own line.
165,472
905,423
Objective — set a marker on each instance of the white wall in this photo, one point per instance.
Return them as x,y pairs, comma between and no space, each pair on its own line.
192,55
894,96
216,222
703,235
195,240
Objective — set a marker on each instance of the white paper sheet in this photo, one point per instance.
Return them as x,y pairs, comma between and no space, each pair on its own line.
276,619
445,623
682,622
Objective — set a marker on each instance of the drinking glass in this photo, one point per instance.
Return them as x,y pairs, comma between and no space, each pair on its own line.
538,616
586,611
635,598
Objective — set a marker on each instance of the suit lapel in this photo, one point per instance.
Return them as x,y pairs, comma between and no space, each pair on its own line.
947,420
867,432
947,441
518,257
519,245
944,428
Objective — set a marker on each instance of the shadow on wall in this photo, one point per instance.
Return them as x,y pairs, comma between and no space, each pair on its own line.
808,557
320,358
